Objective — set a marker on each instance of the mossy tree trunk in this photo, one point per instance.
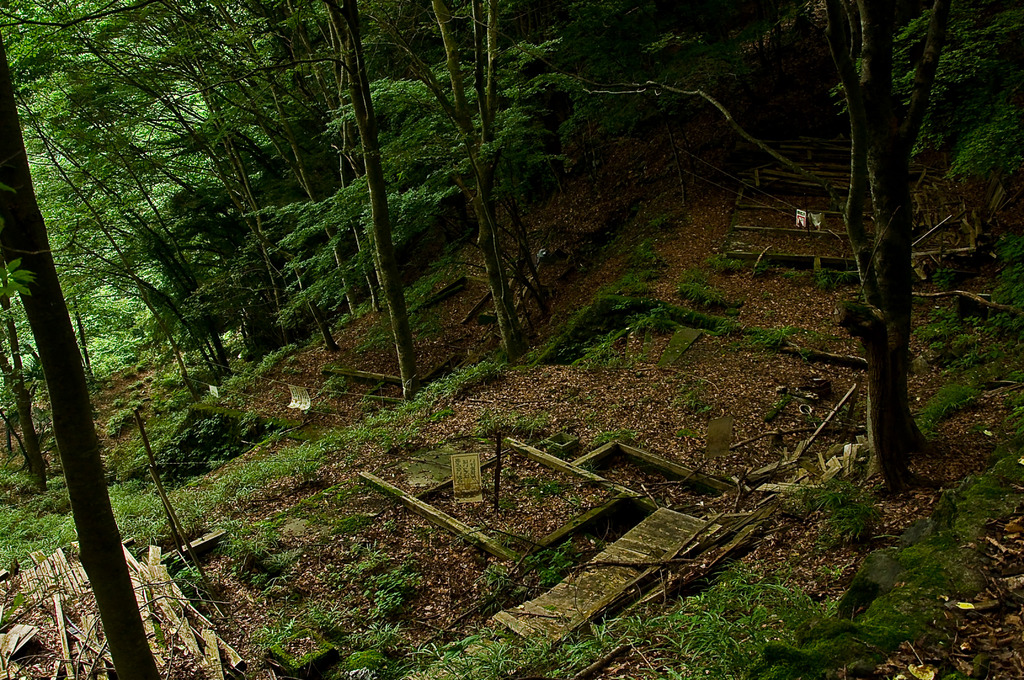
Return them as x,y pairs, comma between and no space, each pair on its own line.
883,132
477,136
383,246
23,235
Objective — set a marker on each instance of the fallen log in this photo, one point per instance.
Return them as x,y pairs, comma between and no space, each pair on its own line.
808,354
975,298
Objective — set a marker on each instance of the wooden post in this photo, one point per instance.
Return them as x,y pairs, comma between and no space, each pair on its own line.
497,469
172,517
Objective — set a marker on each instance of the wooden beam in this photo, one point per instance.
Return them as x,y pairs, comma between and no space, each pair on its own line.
597,455
794,259
790,231
362,376
473,536
445,293
560,465
577,523
676,470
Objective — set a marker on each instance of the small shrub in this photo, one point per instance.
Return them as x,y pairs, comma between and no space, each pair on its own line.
770,338
539,489
389,591
944,278
510,423
949,399
830,279
552,564
271,360
691,399
724,265
694,288
850,511
615,435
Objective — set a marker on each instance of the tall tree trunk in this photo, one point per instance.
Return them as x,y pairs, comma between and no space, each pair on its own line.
883,132
487,240
24,235
383,247
478,138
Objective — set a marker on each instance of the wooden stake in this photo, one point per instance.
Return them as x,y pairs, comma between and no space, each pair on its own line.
172,517
497,469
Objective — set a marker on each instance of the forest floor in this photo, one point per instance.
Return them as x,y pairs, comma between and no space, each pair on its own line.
317,554
348,549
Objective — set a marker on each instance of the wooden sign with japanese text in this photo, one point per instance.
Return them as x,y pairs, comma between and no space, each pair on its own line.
466,478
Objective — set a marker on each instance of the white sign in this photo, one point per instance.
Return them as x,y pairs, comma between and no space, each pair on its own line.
300,398
214,391
466,478
801,219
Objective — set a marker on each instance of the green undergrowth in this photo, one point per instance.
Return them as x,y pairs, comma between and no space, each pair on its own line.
751,623
949,399
43,521
610,317
717,633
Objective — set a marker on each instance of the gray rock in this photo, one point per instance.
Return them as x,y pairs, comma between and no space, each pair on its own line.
877,576
918,531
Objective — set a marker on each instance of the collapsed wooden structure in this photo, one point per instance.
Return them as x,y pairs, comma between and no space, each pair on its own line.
625,570
52,628
947,228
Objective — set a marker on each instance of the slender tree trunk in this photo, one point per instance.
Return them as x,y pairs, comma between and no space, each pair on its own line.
487,240
383,247
15,380
82,343
24,236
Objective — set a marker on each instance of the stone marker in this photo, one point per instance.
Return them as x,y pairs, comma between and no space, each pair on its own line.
719,436
680,342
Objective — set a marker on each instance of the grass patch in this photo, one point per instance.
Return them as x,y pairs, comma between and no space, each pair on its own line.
614,314
695,288
948,400
850,511
771,339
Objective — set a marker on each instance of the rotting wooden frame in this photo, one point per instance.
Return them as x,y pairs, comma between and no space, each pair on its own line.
623,495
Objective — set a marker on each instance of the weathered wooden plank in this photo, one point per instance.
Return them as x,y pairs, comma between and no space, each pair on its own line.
234,659
361,376
579,598
474,536
90,630
12,641
448,291
62,635
580,521
789,231
477,308
211,655
560,465
597,455
719,436
794,259
676,470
